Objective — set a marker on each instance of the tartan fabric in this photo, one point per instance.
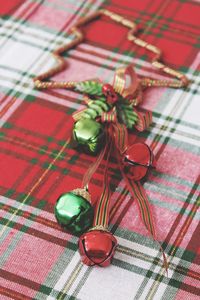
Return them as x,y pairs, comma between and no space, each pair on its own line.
38,259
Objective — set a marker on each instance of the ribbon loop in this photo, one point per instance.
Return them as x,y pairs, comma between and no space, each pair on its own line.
128,89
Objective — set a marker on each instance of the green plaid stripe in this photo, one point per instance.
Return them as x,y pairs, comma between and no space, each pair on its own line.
137,263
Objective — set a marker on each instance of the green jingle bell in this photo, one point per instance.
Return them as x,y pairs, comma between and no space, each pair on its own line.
74,212
89,134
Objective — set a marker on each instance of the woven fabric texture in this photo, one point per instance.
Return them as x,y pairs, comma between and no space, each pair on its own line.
39,260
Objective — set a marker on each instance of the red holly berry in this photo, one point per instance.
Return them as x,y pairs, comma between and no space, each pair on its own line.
110,94
97,247
137,160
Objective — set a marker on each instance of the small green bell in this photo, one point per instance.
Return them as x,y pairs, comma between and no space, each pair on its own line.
74,212
89,134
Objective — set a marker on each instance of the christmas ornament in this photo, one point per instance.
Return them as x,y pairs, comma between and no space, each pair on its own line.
111,97
138,159
97,247
74,212
89,134
111,109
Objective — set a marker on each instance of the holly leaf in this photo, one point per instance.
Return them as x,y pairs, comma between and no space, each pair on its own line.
90,87
95,108
127,115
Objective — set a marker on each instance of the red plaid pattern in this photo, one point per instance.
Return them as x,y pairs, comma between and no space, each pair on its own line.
38,259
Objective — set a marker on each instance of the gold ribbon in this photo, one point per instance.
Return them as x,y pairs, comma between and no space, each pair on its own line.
131,90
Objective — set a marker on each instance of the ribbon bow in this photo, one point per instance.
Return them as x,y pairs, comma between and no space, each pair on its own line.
124,94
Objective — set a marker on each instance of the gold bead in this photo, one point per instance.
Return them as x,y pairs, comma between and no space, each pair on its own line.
99,227
83,193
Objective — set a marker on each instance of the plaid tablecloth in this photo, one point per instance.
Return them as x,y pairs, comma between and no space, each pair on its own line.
38,259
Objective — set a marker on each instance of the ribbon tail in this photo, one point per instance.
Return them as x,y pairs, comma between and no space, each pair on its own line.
120,136
92,169
138,193
144,120
145,210
103,205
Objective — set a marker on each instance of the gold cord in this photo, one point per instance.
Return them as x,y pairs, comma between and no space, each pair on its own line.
180,80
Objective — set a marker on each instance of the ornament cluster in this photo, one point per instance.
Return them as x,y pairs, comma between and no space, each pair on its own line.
101,125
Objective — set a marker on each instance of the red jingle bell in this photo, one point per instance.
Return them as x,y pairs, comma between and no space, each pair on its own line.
110,94
97,247
137,160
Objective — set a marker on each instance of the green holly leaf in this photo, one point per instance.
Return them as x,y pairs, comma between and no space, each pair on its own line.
127,115
90,87
95,109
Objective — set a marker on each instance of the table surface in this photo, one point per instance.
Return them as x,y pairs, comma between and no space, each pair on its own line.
39,260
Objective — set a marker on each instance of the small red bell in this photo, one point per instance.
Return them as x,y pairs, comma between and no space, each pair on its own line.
97,247
138,158
110,94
